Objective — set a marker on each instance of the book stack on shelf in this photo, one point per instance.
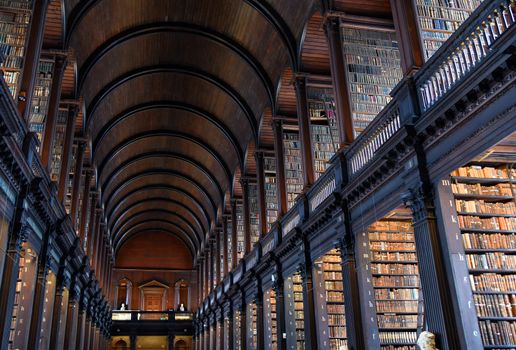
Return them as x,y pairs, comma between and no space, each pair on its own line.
240,232
271,332
395,273
68,198
438,19
295,312
57,154
254,216
17,300
485,197
373,70
293,165
221,256
40,98
252,334
271,196
330,302
237,330
14,24
325,135
230,245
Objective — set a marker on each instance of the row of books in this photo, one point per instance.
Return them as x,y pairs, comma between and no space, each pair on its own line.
398,337
498,333
333,285
16,4
484,172
399,246
437,11
392,256
493,282
494,223
480,206
388,236
396,281
497,261
336,320
503,189
489,240
334,296
439,24
495,305
397,306
400,227
394,294
397,321
394,269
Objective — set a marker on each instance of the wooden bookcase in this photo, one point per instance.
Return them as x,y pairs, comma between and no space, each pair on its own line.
293,164
15,16
325,135
40,97
295,317
252,334
254,213
240,231
329,299
230,245
270,320
237,330
438,19
57,154
271,190
373,69
394,280
485,203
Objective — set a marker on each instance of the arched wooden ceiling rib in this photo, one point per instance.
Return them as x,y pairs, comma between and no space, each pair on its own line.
179,27
181,210
123,169
160,192
148,190
153,222
168,133
314,53
53,37
266,134
228,134
261,6
121,224
250,161
164,172
192,71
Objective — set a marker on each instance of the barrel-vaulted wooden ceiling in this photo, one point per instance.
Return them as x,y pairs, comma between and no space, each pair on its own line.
175,93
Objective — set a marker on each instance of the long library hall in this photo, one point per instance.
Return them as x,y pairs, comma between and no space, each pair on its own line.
257,175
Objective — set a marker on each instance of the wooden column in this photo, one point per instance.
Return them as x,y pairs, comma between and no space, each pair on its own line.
81,324
98,241
407,32
243,325
47,146
260,334
233,234
200,287
85,207
64,171
213,265
304,132
71,321
87,333
260,180
32,55
218,250
280,310
231,331
277,128
77,175
57,311
225,245
247,215
207,271
338,74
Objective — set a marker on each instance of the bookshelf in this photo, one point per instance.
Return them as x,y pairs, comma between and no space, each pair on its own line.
295,323
438,19
293,165
22,307
329,300
271,330
373,68
227,336
221,255
485,202
230,245
325,135
395,280
57,154
46,321
68,197
252,334
271,190
237,330
40,98
254,216
15,18
240,231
